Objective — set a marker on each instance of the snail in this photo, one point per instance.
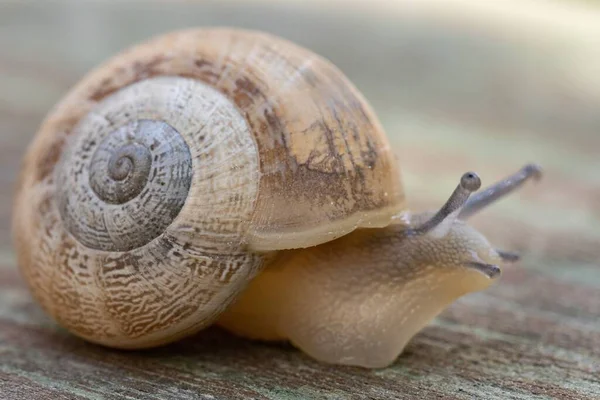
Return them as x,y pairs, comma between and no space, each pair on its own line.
229,177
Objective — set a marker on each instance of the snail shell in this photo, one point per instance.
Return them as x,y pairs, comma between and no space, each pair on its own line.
163,182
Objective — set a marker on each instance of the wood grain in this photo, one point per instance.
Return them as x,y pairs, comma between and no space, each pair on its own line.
452,97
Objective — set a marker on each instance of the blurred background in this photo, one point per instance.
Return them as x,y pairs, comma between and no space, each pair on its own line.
458,85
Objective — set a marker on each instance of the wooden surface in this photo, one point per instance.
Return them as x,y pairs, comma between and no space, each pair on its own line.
453,96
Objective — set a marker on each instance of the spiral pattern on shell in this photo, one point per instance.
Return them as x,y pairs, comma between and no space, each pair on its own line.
126,186
142,219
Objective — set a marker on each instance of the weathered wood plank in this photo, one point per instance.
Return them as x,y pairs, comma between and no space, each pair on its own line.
453,96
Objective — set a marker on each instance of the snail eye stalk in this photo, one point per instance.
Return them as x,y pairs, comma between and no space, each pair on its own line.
500,189
443,219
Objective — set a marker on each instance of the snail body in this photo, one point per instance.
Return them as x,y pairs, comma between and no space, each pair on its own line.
232,177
